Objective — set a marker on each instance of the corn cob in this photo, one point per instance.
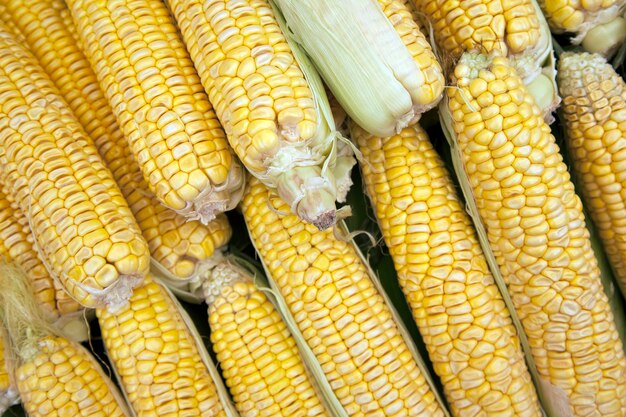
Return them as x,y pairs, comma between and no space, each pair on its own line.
340,313
274,117
536,229
6,19
55,377
179,246
258,356
8,392
599,25
460,313
16,244
515,28
594,106
157,358
82,225
154,91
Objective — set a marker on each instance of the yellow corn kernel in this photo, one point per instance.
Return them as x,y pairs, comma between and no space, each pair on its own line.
536,228
157,358
400,14
594,109
262,99
445,277
146,74
82,224
255,350
16,244
180,246
342,316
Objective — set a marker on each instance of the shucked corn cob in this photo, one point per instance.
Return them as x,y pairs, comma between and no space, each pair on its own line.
340,313
5,17
8,391
598,24
277,121
258,356
373,57
55,377
180,246
156,96
16,245
536,228
457,306
81,222
594,110
157,358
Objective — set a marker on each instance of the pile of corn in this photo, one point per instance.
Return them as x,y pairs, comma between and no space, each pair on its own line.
156,154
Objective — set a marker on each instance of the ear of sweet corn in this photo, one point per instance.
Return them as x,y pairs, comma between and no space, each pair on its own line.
515,28
146,74
8,391
463,320
7,20
373,57
159,361
16,245
599,24
268,98
594,109
55,377
520,190
340,312
83,228
258,355
179,247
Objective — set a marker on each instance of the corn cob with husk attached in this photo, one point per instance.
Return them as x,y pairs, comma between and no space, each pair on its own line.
515,28
268,98
179,247
455,302
8,391
519,187
594,110
158,359
16,245
373,57
598,25
150,82
257,354
83,228
339,312
55,376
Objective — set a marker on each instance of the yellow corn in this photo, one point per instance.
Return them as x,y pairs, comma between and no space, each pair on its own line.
154,91
400,14
536,228
16,243
594,104
5,17
258,356
262,98
340,313
55,377
157,358
81,222
441,269
598,24
8,392
178,245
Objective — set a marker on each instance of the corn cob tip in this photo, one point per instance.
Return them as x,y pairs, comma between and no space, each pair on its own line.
606,38
222,275
116,297
311,194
